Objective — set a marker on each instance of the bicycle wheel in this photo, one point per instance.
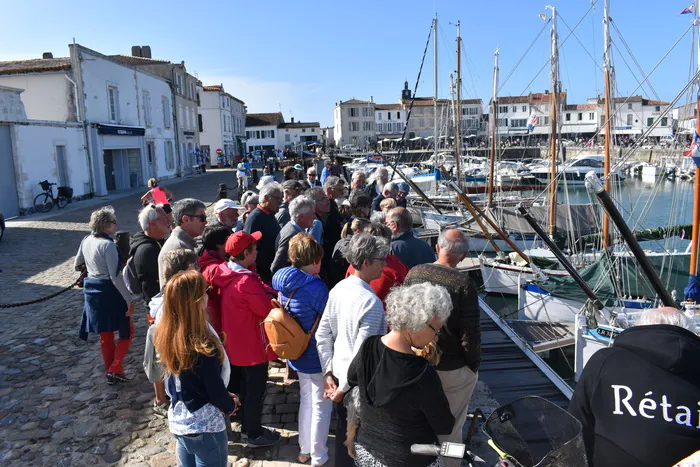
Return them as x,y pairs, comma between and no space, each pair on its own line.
62,202
43,202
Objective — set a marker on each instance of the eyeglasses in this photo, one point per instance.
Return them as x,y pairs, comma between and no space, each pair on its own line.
112,222
311,175
431,327
383,260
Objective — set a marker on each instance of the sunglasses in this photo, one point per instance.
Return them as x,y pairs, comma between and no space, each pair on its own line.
201,217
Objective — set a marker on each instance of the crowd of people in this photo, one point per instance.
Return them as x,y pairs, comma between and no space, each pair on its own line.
394,328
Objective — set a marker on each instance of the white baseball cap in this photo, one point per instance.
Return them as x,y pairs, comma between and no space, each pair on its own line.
224,204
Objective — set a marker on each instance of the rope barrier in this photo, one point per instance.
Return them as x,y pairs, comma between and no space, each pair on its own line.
40,300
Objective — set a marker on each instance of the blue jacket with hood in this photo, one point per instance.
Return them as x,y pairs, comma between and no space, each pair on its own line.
307,303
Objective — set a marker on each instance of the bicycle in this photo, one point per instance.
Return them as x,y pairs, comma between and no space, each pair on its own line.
44,202
528,432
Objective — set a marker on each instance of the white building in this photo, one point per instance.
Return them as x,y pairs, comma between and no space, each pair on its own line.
126,113
34,150
184,89
221,124
328,136
261,131
293,134
389,120
685,118
354,123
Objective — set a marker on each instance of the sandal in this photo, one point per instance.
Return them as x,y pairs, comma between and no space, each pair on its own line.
303,458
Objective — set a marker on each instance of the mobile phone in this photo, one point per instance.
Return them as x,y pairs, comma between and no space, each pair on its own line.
453,450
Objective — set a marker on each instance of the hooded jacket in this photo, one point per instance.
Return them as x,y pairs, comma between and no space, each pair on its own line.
145,251
307,304
639,400
245,302
401,403
209,263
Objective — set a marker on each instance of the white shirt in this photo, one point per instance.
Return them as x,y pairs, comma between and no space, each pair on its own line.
353,313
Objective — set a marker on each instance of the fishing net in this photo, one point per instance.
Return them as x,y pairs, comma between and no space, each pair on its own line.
536,432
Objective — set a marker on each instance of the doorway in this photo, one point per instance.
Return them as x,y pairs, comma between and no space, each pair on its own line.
151,158
110,177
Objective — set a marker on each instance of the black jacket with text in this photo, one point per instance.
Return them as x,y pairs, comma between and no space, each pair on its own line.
639,400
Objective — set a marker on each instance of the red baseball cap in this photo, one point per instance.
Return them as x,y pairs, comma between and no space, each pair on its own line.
239,241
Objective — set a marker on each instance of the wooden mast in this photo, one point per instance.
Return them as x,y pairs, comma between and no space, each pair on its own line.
553,98
608,115
458,116
493,119
696,193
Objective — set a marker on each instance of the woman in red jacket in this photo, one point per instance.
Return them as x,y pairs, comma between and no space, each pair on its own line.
245,303
394,272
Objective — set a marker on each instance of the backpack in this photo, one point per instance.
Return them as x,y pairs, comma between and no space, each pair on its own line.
131,279
285,335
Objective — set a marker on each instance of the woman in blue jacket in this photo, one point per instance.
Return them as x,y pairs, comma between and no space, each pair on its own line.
192,357
308,300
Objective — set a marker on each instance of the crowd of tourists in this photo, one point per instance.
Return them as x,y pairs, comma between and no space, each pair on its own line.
392,326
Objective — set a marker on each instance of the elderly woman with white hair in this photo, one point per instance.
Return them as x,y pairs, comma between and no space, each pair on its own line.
401,397
108,304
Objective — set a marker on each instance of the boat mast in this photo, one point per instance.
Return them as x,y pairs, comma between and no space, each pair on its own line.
696,193
554,71
607,43
458,116
435,98
494,107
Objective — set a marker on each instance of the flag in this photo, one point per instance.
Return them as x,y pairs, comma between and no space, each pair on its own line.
688,11
532,121
544,17
694,150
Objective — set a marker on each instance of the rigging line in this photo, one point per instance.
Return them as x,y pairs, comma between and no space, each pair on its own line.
410,108
559,16
629,51
558,49
654,125
595,75
544,26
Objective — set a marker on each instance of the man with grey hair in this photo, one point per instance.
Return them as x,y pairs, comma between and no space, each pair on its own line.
381,178
332,222
303,213
145,247
411,250
358,180
353,313
638,399
190,218
459,339
262,220
390,190
291,189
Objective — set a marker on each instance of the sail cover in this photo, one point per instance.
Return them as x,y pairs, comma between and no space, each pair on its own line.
582,221
610,282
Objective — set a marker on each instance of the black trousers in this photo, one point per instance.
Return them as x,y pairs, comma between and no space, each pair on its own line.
250,382
342,458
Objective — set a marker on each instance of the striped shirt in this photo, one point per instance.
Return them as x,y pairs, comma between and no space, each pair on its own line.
353,313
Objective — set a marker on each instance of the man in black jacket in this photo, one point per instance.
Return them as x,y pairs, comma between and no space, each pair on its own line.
145,247
332,221
292,189
639,400
262,220
303,212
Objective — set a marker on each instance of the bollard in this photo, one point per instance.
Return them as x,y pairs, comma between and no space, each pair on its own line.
223,192
122,240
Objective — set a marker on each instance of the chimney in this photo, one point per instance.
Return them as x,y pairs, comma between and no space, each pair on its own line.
146,51
292,119
46,55
135,50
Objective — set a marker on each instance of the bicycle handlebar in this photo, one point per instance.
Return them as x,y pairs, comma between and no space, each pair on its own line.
425,449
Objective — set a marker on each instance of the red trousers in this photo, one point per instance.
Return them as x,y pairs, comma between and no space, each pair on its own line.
114,354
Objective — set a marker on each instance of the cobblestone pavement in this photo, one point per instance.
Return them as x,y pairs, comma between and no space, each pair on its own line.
55,406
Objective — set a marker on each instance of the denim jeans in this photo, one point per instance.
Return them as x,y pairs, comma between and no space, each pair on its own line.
202,450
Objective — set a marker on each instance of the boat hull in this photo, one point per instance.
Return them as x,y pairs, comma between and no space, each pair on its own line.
506,278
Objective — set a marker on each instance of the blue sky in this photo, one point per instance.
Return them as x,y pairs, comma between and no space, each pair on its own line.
302,57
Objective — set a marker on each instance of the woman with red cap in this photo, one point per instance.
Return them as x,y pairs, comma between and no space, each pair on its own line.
245,300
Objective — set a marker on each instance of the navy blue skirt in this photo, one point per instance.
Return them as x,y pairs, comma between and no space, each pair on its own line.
104,310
